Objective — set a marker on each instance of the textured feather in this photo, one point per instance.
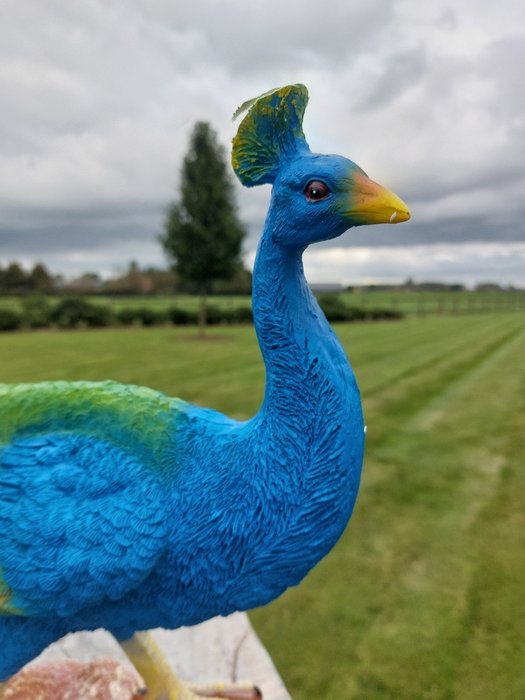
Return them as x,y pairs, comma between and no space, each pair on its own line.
269,134
82,469
136,418
81,521
249,103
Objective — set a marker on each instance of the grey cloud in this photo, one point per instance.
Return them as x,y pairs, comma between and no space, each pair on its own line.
502,63
258,38
446,230
403,70
73,244
464,262
448,19
98,100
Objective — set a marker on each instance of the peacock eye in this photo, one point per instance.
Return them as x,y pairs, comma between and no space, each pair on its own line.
316,190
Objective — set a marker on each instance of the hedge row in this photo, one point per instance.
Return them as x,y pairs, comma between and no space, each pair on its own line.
335,310
78,312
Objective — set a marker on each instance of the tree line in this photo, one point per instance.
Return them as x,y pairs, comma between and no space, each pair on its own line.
17,281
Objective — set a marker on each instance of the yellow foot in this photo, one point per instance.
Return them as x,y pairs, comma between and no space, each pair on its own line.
162,684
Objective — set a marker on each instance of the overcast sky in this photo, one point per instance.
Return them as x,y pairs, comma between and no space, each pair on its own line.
98,99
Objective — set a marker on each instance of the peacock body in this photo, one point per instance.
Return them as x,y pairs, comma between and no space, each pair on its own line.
126,509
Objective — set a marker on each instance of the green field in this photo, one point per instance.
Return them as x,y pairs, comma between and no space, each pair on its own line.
423,598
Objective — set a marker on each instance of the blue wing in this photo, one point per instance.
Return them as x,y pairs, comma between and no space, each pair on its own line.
80,521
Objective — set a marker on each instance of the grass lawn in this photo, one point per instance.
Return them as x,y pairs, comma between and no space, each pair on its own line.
423,596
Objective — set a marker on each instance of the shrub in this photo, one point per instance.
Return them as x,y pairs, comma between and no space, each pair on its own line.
126,317
355,313
36,312
150,317
142,315
242,314
73,312
98,316
182,317
385,314
215,316
9,320
333,307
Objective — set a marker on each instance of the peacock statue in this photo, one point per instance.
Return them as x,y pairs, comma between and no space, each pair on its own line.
125,509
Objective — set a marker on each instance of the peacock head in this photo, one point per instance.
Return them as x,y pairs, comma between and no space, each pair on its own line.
314,197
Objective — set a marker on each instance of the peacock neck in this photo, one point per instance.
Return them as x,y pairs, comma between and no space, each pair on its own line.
290,475
301,353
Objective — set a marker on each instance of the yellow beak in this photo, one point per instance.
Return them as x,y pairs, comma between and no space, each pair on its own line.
371,203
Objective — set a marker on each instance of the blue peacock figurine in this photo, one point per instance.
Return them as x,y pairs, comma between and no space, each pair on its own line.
125,509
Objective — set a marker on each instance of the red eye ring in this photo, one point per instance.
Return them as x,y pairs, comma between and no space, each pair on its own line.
316,190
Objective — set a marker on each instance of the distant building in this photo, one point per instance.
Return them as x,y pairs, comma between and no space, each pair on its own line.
86,284
327,288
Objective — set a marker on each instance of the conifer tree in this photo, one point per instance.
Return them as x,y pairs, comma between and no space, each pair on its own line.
202,232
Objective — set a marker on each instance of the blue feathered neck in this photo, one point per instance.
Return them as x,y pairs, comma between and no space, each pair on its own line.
301,353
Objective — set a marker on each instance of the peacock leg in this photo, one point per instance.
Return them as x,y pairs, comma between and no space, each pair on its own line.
162,684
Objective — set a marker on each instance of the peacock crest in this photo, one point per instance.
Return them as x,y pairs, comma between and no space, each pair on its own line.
271,132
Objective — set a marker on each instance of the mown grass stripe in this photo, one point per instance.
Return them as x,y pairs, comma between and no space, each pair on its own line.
443,488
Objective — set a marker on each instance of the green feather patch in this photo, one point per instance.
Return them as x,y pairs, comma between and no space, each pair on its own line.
6,596
269,134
